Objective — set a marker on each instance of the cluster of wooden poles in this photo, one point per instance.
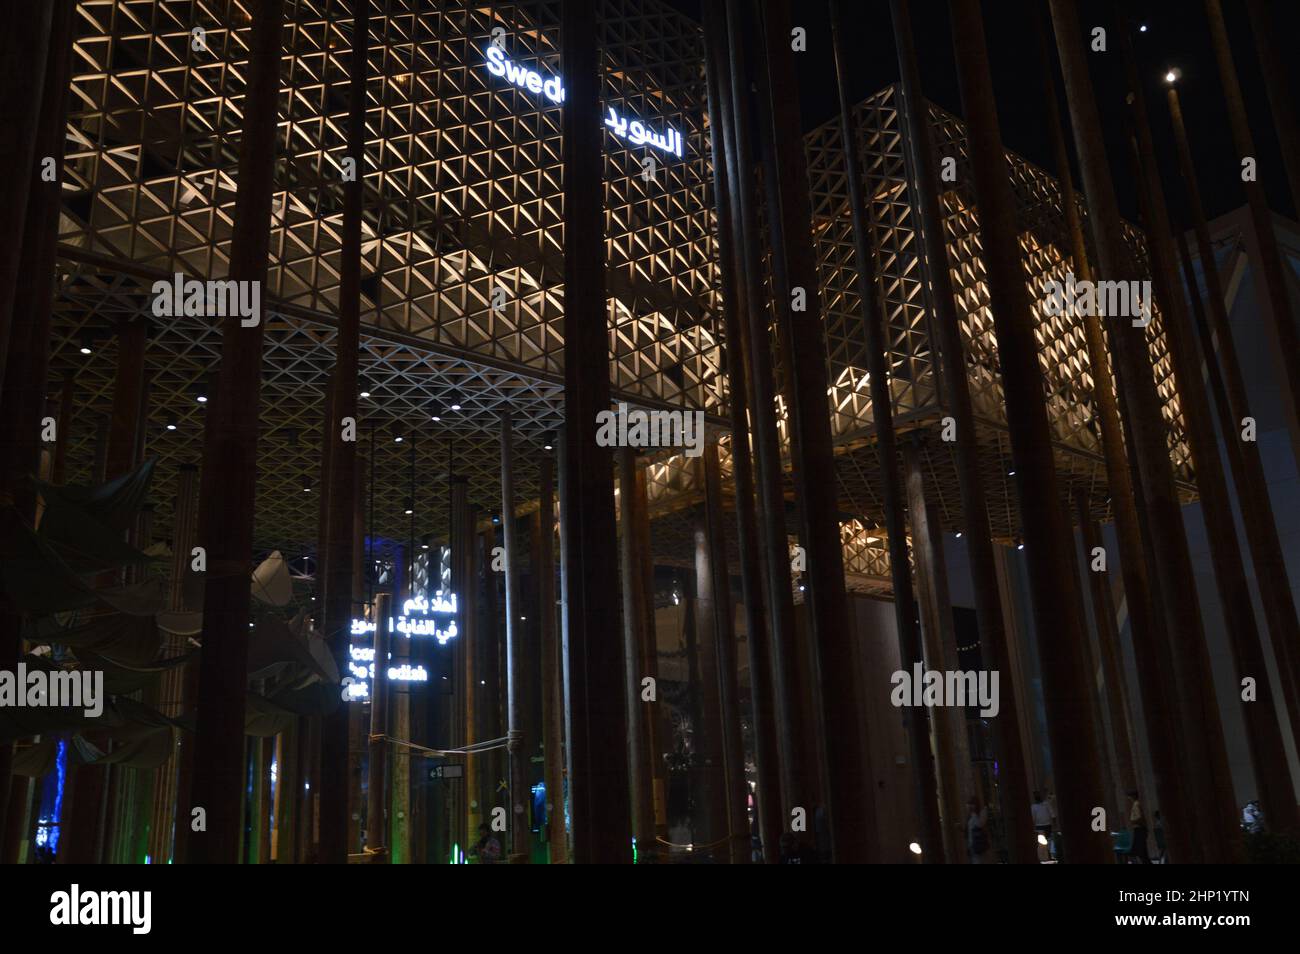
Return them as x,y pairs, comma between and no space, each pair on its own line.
810,748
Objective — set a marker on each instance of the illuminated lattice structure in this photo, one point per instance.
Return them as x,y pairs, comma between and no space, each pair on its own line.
919,402
463,259
463,238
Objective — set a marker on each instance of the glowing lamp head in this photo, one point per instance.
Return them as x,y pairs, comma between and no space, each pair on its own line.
914,848
1171,77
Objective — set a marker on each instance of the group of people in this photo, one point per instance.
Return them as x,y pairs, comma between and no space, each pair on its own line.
979,845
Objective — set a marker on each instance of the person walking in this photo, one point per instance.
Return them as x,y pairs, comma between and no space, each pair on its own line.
977,833
1138,822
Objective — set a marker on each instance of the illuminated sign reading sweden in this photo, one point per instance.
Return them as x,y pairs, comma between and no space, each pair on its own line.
634,131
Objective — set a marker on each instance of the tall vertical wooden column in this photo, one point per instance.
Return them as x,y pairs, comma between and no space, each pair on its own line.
916,722
174,702
1233,407
1150,647
661,729
340,600
37,49
89,813
552,683
464,575
956,386
729,732
735,304
1276,84
493,689
1270,261
1103,614
377,770
773,544
850,796
516,671
25,51
1264,734
480,771
1230,573
599,780
708,783
1164,535
1263,714
229,479
1061,635
399,724
562,515
640,715
948,724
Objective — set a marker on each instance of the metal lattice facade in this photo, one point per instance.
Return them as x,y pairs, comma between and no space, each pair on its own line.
462,240
463,258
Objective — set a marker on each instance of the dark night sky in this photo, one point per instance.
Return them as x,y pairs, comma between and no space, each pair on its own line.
1177,36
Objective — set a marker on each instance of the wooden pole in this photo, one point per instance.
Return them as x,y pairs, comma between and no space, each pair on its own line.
91,818
1277,86
377,770
27,46
341,602
1103,612
552,701
1223,369
1164,534
1230,574
640,714
565,516
1150,647
773,544
228,491
1261,713
515,668
948,724
735,304
599,780
1061,637
1014,786
709,829
730,734
1270,261
850,794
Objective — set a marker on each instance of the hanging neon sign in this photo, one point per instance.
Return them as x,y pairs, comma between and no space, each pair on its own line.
634,131
420,617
